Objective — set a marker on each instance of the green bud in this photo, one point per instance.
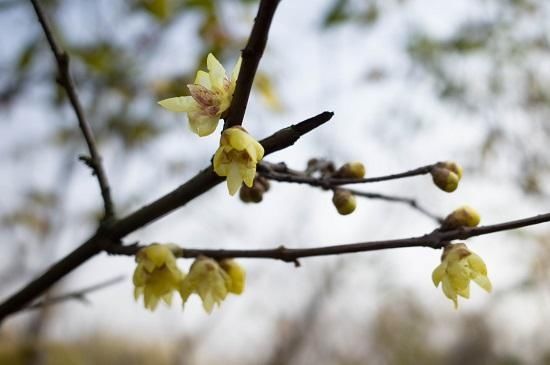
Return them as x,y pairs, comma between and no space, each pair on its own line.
351,170
344,201
464,216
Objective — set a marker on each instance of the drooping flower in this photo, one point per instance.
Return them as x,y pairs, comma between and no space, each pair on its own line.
237,158
458,266
211,96
212,281
156,275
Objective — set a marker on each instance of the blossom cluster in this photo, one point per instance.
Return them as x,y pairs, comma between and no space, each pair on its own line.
157,277
211,96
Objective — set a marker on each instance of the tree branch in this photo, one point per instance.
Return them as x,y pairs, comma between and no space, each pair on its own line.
65,79
397,199
251,56
79,295
437,239
280,172
113,232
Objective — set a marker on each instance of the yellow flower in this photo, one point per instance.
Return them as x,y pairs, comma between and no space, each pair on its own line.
237,158
156,275
236,275
458,266
212,281
211,96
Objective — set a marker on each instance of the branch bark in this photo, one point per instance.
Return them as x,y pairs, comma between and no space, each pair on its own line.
251,56
436,239
109,234
65,79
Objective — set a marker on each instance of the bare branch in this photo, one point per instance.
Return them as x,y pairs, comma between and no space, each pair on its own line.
280,172
437,239
65,79
251,55
398,199
79,295
106,235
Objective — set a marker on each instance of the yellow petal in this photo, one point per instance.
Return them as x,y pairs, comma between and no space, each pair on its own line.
180,104
248,174
203,79
216,71
203,125
235,73
220,168
465,293
234,179
477,264
438,274
484,282
448,289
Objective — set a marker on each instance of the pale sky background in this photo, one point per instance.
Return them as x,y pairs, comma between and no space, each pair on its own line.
392,125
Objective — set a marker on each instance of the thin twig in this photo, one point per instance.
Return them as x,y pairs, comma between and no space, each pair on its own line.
251,56
436,239
105,236
280,172
65,79
79,295
398,199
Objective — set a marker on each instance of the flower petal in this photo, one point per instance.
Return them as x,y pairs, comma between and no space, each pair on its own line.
235,73
477,264
216,70
203,79
484,282
234,179
180,104
202,125
438,274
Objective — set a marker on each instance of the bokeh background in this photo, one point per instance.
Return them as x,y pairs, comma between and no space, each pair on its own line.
411,82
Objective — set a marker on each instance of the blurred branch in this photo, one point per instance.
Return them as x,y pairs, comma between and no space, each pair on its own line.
436,239
79,295
251,56
107,235
280,172
65,79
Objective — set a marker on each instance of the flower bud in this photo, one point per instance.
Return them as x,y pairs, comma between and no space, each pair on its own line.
446,176
255,193
464,216
351,170
344,201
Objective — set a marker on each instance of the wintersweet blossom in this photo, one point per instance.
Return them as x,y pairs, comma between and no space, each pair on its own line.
237,158
211,96
458,266
212,281
156,275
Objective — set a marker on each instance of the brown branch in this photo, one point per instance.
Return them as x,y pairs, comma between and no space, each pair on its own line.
65,79
79,295
437,239
251,56
113,232
280,172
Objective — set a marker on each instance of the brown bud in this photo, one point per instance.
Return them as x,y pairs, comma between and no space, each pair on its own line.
256,192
